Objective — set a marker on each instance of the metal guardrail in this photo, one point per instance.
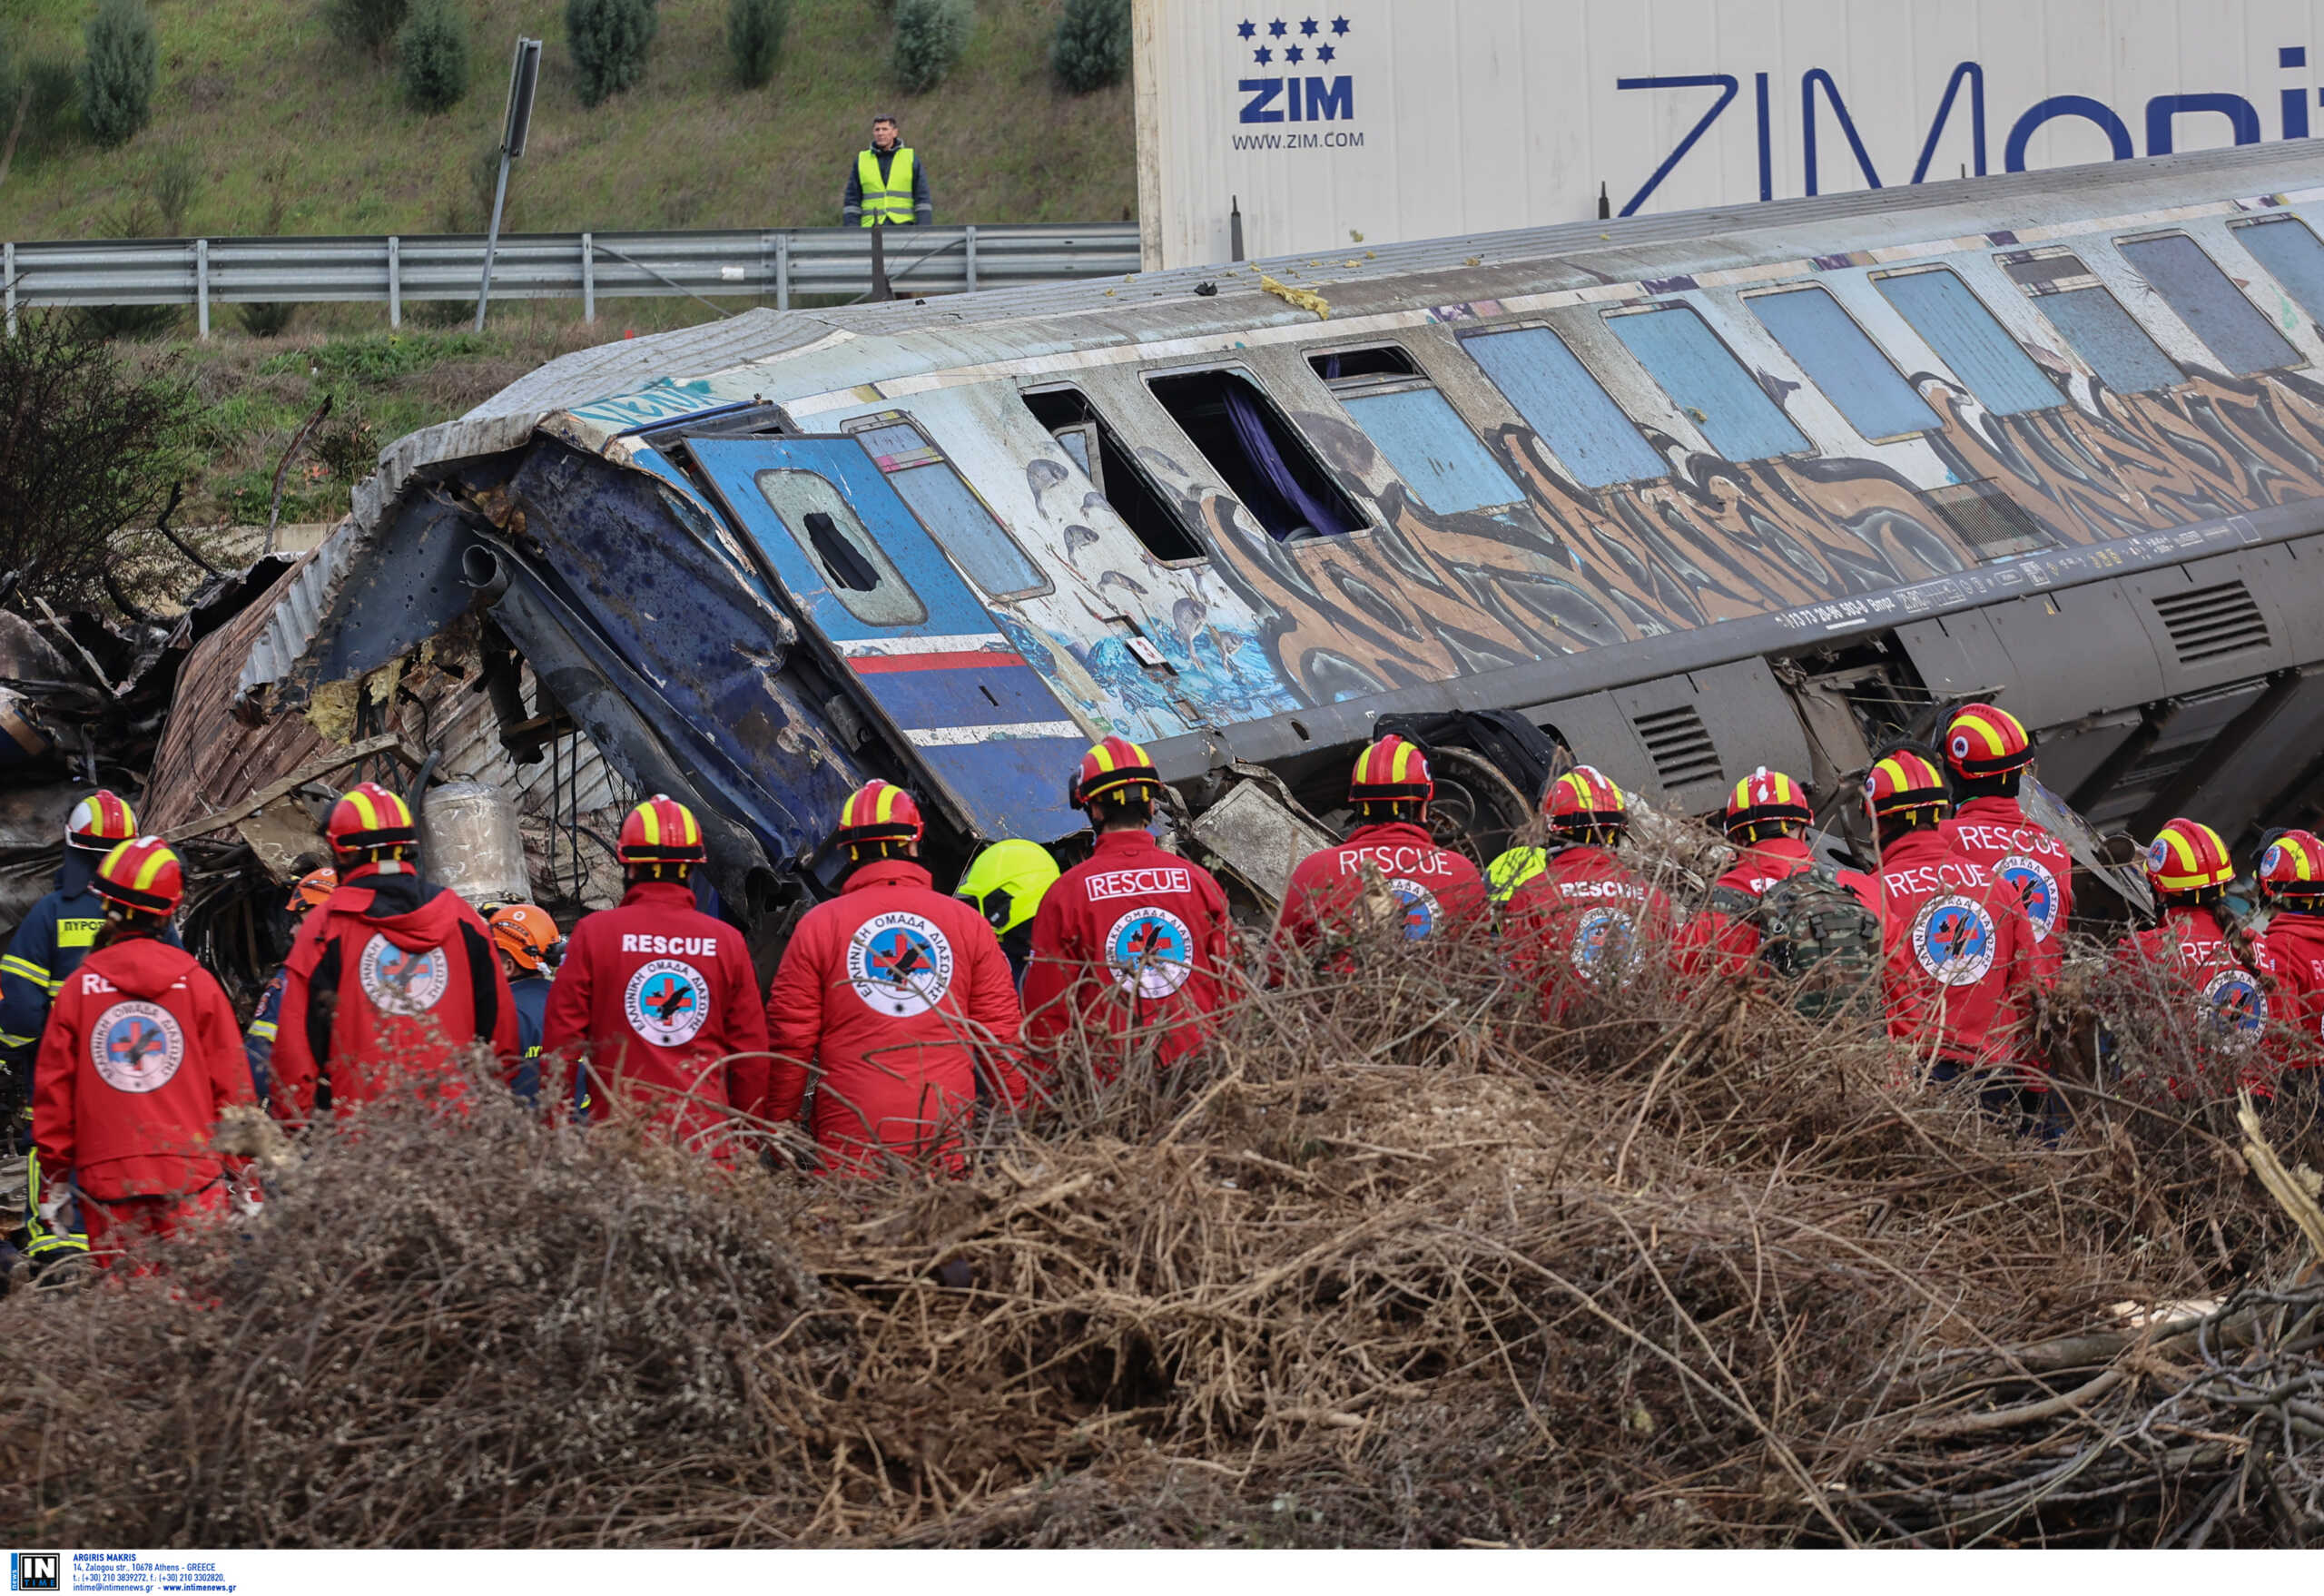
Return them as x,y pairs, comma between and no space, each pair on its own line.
776,264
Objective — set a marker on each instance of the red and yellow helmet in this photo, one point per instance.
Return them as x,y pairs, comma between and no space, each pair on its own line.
369,819
1766,798
879,811
100,822
660,830
1981,740
2187,856
525,933
2293,866
142,873
1904,783
1583,799
1391,771
1114,765
313,887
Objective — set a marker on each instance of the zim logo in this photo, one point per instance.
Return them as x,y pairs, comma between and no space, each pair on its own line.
1953,940
1420,910
136,1046
1283,48
2235,1006
1604,936
399,982
2037,887
666,1002
1151,953
900,964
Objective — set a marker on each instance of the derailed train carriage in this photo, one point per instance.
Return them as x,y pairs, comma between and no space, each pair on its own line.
1683,494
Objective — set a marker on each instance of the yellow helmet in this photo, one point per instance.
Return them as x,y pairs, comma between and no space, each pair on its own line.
1006,882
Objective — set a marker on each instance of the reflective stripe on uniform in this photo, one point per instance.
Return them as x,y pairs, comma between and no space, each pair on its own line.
264,1029
40,1240
888,200
26,970
10,1039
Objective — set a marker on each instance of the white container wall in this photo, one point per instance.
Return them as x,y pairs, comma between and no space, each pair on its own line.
1365,121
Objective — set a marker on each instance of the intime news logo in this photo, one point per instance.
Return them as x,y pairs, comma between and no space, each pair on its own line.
35,1571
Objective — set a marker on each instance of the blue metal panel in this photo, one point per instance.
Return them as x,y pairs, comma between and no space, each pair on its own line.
1955,323
1709,383
1563,403
2293,257
2192,285
1845,364
1432,450
967,531
2103,333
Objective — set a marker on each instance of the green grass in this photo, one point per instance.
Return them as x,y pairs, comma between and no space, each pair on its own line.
284,129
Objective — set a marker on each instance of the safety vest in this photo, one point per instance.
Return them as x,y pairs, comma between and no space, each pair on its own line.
889,200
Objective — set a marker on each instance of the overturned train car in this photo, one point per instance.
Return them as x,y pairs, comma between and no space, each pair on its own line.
1687,493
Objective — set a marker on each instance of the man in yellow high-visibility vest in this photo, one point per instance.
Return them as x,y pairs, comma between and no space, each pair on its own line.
887,186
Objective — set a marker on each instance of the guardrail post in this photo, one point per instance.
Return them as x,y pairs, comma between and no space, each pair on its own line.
201,288
395,281
973,257
8,276
782,272
588,277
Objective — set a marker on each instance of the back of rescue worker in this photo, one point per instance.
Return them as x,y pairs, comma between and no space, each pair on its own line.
1988,752
1766,817
2208,985
1335,893
1584,924
2291,879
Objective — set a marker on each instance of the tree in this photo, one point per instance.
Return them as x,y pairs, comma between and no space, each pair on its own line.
754,30
88,447
930,36
432,56
368,25
608,39
1091,47
120,72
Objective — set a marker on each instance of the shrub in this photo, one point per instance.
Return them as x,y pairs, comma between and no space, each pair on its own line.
267,318
931,34
368,25
1091,47
176,178
608,39
120,72
754,30
432,56
135,218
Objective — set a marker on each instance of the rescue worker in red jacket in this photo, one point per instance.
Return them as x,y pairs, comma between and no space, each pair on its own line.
139,1057
1961,971
655,1001
1436,892
1131,944
1768,817
1585,922
2291,880
1987,752
390,980
894,1001
2206,982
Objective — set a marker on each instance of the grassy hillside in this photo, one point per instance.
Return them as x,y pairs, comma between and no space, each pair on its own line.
279,127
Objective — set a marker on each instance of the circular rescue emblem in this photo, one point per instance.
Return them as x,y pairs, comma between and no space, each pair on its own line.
2273,857
900,964
1420,910
1953,937
401,982
2157,854
1961,745
666,1002
2236,1006
1603,936
136,1046
1151,953
2037,888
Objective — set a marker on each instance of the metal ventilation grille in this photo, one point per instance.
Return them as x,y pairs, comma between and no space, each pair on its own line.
1679,744
1994,525
2208,622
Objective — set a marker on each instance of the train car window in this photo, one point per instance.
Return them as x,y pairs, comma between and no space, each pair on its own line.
1347,365
2090,319
1432,449
860,574
1706,380
1069,417
1955,322
2191,283
1562,403
2291,252
1835,353
950,511
1261,460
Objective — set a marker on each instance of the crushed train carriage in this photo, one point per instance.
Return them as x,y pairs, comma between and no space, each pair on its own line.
1688,493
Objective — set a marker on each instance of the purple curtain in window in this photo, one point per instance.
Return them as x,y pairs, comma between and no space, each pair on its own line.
1259,446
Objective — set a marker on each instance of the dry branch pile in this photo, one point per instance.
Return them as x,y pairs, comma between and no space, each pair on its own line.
1394,1264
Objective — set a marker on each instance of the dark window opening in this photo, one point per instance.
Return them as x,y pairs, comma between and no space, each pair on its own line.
1069,417
1262,461
1341,365
848,568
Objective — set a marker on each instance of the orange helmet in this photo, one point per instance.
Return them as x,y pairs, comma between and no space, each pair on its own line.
1766,798
144,874
1391,771
313,887
1983,740
661,830
1583,799
525,933
879,811
370,819
100,822
1904,783
2187,857
2293,866
1114,765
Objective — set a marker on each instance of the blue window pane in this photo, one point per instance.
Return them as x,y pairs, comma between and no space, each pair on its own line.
2214,307
1841,360
1563,403
1709,384
1432,451
958,520
2292,256
2103,334
1955,323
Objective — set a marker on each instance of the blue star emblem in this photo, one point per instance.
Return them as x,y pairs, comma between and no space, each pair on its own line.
1339,25
1245,30
1263,55
1307,28
1276,29
1294,55
1324,52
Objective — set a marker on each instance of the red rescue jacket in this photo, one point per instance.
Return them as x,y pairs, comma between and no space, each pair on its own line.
140,1054
1996,832
1131,939
664,1003
899,995
387,980
2295,944
2185,966
1716,941
1441,890
1585,914
1961,970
